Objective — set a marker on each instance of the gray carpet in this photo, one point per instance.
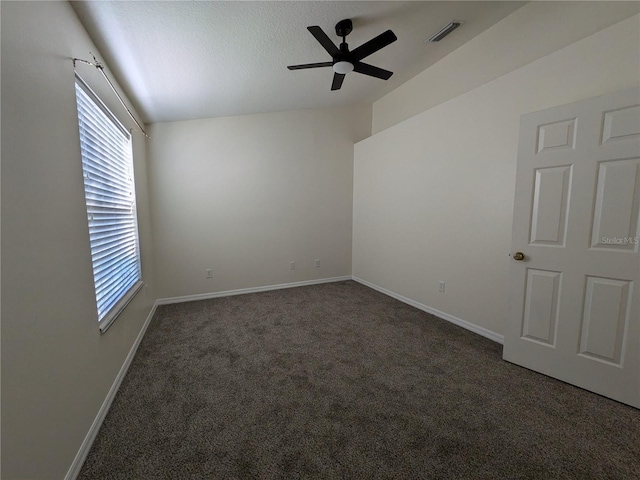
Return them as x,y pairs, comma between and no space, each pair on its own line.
340,381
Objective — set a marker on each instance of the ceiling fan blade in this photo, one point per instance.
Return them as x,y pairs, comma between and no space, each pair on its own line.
372,71
374,45
324,40
338,78
310,65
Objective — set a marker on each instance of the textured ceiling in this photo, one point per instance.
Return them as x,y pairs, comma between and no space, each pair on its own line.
185,60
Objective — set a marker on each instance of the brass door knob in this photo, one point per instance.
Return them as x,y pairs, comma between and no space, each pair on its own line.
518,256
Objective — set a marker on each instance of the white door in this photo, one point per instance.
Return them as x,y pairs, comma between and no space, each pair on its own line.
574,300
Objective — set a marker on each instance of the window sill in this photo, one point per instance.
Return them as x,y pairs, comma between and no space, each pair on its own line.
119,307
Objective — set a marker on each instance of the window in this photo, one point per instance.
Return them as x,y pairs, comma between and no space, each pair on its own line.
107,166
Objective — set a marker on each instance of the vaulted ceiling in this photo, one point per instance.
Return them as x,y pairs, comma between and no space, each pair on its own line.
197,59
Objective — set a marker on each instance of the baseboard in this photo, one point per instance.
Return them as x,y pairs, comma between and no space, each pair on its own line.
81,456
242,291
445,316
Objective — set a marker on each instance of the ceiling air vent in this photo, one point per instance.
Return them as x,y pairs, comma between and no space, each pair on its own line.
444,31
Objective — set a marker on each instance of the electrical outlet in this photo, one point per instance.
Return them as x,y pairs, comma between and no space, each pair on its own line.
209,273
292,265
441,286
317,263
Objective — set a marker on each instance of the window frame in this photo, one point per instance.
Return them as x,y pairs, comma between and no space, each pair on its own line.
108,317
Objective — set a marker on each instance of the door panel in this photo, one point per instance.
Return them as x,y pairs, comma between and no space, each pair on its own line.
615,217
621,124
605,319
557,135
541,306
574,301
550,203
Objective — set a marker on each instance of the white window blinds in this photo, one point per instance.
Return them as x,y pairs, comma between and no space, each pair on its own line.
107,165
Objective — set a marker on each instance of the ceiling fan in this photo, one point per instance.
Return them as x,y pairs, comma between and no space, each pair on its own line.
344,61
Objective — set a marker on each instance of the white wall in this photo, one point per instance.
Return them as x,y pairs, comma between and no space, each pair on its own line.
530,33
56,366
246,195
433,195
